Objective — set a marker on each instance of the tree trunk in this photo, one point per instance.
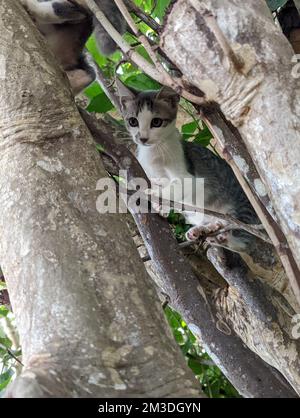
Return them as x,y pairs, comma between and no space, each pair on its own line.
235,54
89,319
240,60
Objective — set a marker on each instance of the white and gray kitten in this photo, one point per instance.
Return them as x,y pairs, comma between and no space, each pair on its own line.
151,120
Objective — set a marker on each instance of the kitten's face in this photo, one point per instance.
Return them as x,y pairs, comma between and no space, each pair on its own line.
150,116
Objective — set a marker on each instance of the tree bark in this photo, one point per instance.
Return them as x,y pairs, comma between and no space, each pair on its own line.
89,319
236,55
196,295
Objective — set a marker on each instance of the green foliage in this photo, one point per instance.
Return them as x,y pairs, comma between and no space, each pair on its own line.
161,8
192,132
7,354
214,383
129,74
178,225
140,81
157,8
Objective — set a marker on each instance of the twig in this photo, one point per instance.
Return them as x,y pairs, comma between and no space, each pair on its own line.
144,40
103,82
154,72
14,357
233,223
142,15
231,145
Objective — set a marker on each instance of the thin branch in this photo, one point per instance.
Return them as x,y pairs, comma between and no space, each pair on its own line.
142,15
103,82
144,40
232,223
231,145
14,357
154,72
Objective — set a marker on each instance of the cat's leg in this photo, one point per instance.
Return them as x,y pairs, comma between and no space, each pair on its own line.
53,11
80,78
216,234
237,241
170,193
204,230
106,44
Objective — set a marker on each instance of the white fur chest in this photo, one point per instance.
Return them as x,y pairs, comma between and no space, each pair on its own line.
152,162
164,160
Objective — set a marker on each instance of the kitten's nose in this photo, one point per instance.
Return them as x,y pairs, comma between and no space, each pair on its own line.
144,140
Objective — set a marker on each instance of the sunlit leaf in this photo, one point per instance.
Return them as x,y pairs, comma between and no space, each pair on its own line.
100,104
161,8
142,82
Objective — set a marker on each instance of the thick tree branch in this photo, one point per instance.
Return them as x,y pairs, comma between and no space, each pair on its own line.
79,291
180,283
247,100
265,312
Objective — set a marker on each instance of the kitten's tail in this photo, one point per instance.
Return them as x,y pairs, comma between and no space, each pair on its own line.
106,44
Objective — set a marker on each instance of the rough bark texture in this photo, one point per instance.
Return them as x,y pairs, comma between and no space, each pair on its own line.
88,316
192,292
234,53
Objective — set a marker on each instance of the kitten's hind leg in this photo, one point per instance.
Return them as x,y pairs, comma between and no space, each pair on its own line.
81,76
203,230
236,241
214,234
79,79
53,11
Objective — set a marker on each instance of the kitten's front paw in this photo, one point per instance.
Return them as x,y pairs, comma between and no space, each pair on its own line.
202,231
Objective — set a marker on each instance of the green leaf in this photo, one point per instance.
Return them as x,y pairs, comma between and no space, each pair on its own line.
161,8
5,343
178,337
92,47
100,147
141,82
93,90
142,51
5,378
146,5
100,104
188,129
3,311
195,366
203,137
275,4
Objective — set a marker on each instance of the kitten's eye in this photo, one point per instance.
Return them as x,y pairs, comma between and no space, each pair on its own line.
133,122
156,123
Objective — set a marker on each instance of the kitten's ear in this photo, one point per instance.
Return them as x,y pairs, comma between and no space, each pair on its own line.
169,95
125,93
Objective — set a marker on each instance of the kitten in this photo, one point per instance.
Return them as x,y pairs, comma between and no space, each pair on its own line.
150,118
67,25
